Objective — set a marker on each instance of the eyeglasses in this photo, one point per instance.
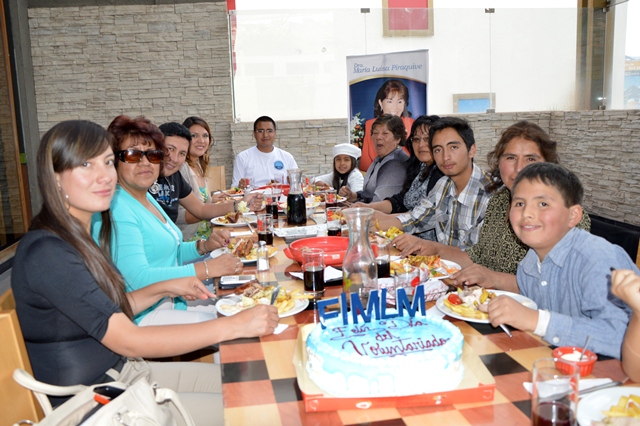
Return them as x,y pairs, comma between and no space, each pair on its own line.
155,156
417,139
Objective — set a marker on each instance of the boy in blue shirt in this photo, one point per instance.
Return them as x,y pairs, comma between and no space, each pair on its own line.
567,271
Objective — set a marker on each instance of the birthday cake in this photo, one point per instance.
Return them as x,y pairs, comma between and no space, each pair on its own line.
385,357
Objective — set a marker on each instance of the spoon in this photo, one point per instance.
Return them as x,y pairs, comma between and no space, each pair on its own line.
584,348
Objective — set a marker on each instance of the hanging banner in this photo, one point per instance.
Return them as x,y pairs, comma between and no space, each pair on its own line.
389,83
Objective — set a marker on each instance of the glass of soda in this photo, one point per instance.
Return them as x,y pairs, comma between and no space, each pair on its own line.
331,198
272,198
334,226
555,392
265,228
313,269
381,248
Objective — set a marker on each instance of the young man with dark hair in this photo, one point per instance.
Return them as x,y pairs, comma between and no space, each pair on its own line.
263,163
455,207
172,190
567,271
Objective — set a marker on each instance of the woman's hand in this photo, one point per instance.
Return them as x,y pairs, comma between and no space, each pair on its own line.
471,275
217,239
258,321
254,201
190,288
226,264
626,285
347,193
218,197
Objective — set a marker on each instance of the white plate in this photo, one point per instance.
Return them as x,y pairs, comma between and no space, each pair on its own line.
520,298
218,252
449,264
591,406
300,305
247,217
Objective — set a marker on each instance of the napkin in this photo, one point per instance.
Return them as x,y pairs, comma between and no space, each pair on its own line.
582,384
241,234
280,328
330,274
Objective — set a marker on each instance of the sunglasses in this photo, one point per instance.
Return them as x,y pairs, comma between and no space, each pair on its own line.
155,156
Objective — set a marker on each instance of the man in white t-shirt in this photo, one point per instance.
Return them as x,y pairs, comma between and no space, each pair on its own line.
264,162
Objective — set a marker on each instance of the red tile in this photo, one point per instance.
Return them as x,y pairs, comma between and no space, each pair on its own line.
241,353
510,385
498,415
611,368
293,414
243,394
520,340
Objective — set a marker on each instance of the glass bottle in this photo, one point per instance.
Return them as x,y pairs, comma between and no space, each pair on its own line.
359,272
296,204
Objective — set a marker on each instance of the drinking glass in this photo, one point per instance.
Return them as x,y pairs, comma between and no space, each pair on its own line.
313,269
408,277
265,228
333,221
331,198
555,392
381,248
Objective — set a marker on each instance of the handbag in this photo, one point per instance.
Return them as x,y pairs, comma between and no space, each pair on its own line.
114,403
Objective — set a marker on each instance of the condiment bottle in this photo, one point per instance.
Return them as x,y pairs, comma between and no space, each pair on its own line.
262,257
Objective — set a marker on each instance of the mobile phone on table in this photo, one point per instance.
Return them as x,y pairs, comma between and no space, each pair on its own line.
232,281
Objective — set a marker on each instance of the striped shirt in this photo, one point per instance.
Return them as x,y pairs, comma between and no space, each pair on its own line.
457,219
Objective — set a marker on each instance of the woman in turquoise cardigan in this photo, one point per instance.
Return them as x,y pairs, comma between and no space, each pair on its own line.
147,246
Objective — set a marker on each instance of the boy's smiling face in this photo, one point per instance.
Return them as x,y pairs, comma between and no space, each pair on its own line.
539,216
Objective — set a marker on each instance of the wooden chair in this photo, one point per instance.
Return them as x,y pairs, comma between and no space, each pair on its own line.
16,402
215,177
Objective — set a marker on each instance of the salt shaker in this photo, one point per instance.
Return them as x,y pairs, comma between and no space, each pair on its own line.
263,257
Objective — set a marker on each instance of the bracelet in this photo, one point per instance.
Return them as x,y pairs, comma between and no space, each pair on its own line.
206,269
202,250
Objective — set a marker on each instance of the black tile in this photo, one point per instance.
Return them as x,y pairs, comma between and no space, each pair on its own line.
248,371
501,363
485,329
239,341
286,390
524,406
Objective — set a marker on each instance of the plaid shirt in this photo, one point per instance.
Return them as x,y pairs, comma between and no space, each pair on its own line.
456,219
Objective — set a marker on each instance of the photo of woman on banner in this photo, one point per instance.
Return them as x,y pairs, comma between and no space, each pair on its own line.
392,98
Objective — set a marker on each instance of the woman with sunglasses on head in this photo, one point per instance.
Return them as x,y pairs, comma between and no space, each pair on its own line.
74,313
147,246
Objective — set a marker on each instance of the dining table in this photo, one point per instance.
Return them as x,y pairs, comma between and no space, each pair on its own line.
260,386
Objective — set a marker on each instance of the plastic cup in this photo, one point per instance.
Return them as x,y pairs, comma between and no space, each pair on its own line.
313,271
265,228
555,392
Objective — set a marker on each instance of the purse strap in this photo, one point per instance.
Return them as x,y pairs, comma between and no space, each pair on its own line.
165,394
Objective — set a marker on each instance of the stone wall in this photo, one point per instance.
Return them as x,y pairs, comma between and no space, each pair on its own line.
171,61
166,62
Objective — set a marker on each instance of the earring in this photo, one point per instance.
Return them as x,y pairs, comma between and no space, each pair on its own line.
67,204
155,188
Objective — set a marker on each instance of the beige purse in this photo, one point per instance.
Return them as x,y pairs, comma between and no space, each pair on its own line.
113,403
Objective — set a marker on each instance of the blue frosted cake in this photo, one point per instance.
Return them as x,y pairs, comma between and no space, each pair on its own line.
385,357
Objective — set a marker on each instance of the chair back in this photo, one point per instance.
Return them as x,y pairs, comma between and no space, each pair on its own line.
16,402
216,179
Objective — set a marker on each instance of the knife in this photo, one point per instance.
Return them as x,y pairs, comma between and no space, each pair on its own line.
603,386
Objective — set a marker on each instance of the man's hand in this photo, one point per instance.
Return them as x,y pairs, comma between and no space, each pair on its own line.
410,244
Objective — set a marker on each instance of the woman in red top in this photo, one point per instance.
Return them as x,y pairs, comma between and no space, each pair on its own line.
392,98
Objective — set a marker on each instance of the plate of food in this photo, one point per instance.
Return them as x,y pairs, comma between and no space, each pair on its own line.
245,249
469,304
288,302
235,191
235,220
613,403
436,267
